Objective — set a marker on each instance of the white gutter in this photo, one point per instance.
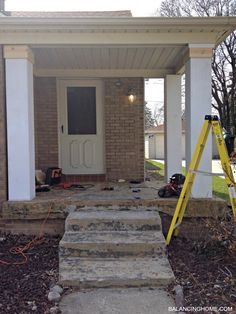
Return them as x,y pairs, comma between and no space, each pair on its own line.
214,28
124,22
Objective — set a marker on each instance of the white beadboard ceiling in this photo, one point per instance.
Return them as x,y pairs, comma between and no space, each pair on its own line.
99,58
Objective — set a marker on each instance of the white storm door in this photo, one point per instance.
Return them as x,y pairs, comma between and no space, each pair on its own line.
81,126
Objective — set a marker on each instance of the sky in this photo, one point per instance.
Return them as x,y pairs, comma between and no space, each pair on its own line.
138,8
154,95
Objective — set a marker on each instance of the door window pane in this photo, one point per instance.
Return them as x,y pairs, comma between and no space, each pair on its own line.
81,108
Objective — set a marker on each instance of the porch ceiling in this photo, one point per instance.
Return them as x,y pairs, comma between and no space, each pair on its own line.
132,61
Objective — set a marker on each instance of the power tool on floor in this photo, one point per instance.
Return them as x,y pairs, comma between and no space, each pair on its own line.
174,187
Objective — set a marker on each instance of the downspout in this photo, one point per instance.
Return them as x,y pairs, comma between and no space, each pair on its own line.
4,13
2,6
2,9
5,118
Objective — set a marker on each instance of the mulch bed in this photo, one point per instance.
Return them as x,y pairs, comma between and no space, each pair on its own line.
24,288
206,270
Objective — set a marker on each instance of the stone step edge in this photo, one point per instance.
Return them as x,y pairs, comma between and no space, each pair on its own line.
99,237
66,276
115,216
137,213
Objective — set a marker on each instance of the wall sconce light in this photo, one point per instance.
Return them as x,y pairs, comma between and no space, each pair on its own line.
118,83
131,95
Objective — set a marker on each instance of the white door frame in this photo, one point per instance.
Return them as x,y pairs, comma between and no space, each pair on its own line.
61,88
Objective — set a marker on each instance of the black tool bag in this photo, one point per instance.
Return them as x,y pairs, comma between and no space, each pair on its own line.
53,176
177,179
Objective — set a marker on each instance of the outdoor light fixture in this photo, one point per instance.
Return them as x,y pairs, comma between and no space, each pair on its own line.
131,95
118,83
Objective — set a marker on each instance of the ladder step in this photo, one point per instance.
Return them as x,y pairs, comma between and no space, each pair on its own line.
211,174
177,225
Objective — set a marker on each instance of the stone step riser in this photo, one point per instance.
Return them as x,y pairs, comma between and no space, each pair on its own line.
111,250
112,243
116,283
108,225
115,272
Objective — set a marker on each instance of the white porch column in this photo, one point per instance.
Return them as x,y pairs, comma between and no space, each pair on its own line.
173,126
20,123
198,104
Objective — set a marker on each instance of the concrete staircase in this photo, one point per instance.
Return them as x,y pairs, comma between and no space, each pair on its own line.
109,248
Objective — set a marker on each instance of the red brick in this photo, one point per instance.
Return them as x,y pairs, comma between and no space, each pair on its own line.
46,138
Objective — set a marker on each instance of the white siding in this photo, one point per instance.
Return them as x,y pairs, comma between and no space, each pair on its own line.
154,148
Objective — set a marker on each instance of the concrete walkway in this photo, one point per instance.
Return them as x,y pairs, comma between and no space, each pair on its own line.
117,301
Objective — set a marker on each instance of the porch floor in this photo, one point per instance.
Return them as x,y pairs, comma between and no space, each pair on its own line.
123,196
104,191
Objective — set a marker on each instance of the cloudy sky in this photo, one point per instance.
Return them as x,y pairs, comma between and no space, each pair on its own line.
138,8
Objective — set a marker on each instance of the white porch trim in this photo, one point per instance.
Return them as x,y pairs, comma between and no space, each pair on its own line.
75,73
20,123
198,104
128,31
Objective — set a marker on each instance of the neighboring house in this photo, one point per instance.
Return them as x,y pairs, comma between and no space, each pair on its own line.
155,143
65,79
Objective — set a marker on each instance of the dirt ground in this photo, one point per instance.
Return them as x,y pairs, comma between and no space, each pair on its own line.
24,288
207,274
206,270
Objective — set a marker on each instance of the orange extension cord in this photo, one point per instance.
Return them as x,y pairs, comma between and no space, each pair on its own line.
22,250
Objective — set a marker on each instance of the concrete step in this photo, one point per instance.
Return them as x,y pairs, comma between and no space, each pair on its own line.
118,272
114,220
118,301
112,243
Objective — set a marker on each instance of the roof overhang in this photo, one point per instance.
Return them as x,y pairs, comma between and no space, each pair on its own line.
150,30
155,45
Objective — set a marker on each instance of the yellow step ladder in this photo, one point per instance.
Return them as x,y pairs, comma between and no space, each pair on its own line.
210,122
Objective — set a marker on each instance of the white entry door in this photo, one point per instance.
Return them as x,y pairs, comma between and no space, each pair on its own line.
81,126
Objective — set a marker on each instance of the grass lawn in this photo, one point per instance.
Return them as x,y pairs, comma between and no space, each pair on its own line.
219,186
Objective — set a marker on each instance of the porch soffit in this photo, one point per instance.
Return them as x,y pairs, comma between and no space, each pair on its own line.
149,61
149,47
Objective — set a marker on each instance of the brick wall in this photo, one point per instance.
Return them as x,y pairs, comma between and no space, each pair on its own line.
46,137
124,129
3,175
